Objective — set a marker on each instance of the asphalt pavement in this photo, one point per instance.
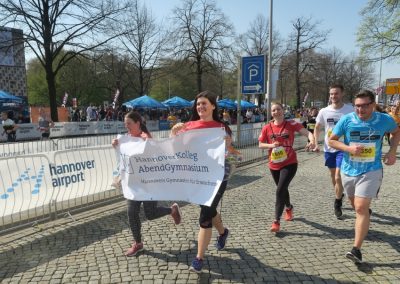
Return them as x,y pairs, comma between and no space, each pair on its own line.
311,249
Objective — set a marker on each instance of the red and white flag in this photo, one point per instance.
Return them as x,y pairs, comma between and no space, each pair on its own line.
379,90
65,99
305,97
115,98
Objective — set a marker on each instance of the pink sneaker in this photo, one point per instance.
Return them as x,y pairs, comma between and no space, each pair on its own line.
134,249
275,227
289,214
176,213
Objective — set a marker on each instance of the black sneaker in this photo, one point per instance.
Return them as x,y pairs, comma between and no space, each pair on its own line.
338,207
354,255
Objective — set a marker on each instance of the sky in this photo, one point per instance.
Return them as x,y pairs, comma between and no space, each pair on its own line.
340,16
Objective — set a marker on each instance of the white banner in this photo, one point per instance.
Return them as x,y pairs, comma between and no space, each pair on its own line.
188,167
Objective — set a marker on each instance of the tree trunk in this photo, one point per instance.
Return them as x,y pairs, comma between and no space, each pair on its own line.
199,76
50,78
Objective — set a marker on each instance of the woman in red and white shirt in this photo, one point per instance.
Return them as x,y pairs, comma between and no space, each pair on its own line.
205,115
278,137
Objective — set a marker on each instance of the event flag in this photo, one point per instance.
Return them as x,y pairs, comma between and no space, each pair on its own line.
115,99
65,99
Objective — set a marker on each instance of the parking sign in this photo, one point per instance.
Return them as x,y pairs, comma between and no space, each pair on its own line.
253,74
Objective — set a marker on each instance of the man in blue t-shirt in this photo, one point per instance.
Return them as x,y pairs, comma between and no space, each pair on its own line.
361,169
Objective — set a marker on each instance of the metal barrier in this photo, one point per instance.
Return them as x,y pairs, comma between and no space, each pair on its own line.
42,186
52,169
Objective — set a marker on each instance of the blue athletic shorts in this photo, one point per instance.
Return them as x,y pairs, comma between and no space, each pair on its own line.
333,160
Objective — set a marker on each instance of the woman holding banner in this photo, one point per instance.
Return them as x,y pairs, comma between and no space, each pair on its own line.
278,137
136,128
205,115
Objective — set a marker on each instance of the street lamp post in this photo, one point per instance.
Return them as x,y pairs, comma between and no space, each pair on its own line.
269,95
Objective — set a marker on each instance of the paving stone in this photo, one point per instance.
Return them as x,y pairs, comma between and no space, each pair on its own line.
309,249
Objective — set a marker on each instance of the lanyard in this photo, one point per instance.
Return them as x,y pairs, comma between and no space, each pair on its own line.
280,132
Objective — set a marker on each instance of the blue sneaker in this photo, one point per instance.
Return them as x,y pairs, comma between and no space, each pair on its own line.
221,240
197,265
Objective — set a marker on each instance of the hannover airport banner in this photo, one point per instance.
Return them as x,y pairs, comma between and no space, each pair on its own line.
188,167
63,179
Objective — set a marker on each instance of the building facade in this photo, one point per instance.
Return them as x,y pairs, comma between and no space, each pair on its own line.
12,62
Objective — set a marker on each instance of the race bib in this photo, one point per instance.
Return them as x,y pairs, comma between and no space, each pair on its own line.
311,126
367,154
329,132
278,155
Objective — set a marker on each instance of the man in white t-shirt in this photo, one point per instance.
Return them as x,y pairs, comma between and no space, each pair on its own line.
327,118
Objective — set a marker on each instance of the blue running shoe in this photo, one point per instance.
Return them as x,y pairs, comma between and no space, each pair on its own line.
221,240
197,265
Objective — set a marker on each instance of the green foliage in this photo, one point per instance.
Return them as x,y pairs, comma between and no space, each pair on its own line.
38,93
379,33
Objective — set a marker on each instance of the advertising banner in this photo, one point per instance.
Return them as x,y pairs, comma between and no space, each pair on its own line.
32,182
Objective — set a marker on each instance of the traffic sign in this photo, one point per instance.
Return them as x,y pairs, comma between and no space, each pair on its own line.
253,74
392,86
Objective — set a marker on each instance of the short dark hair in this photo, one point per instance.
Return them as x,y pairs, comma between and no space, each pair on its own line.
337,86
365,94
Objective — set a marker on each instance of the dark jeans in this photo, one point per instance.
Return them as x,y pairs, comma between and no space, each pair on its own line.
11,137
151,210
282,179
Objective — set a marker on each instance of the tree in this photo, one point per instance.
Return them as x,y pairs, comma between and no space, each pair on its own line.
143,42
379,33
201,31
36,83
329,66
255,40
114,71
55,26
304,38
358,73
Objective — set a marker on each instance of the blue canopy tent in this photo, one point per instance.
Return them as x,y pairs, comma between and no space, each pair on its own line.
246,104
7,97
144,102
177,102
9,102
226,104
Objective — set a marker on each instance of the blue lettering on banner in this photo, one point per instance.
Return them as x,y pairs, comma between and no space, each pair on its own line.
173,168
187,155
178,155
75,168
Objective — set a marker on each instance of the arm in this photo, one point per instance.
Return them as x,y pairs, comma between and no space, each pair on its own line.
317,131
114,142
310,136
338,145
390,157
176,128
262,145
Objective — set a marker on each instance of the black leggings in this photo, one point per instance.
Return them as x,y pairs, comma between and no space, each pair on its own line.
207,213
282,179
150,210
